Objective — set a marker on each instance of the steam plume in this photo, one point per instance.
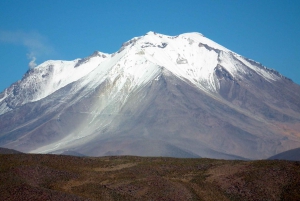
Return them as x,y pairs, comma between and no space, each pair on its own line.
32,63
36,44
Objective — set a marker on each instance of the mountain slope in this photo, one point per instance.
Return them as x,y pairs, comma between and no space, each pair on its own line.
181,96
292,155
8,151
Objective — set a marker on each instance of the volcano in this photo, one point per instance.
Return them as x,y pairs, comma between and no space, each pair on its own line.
158,95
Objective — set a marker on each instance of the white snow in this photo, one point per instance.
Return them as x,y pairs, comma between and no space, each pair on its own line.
65,72
262,72
190,56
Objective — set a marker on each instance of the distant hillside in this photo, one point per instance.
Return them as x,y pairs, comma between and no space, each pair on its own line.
8,151
57,177
291,155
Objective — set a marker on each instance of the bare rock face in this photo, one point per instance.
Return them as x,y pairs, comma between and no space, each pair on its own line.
182,96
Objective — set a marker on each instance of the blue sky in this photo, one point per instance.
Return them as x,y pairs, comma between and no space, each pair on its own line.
264,30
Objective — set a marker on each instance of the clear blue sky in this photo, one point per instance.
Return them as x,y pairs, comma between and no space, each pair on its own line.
267,31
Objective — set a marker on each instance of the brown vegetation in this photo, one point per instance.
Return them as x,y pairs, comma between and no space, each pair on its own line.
54,177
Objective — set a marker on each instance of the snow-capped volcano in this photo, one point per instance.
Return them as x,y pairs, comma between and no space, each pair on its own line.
157,95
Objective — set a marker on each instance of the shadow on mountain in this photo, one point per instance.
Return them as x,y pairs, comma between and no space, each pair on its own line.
291,155
9,151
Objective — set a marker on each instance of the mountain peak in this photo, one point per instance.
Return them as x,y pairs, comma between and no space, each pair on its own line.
150,33
186,93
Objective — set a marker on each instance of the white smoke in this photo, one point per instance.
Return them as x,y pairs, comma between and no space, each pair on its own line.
32,63
36,44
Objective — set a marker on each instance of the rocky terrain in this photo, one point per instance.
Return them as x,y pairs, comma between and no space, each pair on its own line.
55,177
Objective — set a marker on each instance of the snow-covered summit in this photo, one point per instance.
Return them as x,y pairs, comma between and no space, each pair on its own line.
47,78
189,56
